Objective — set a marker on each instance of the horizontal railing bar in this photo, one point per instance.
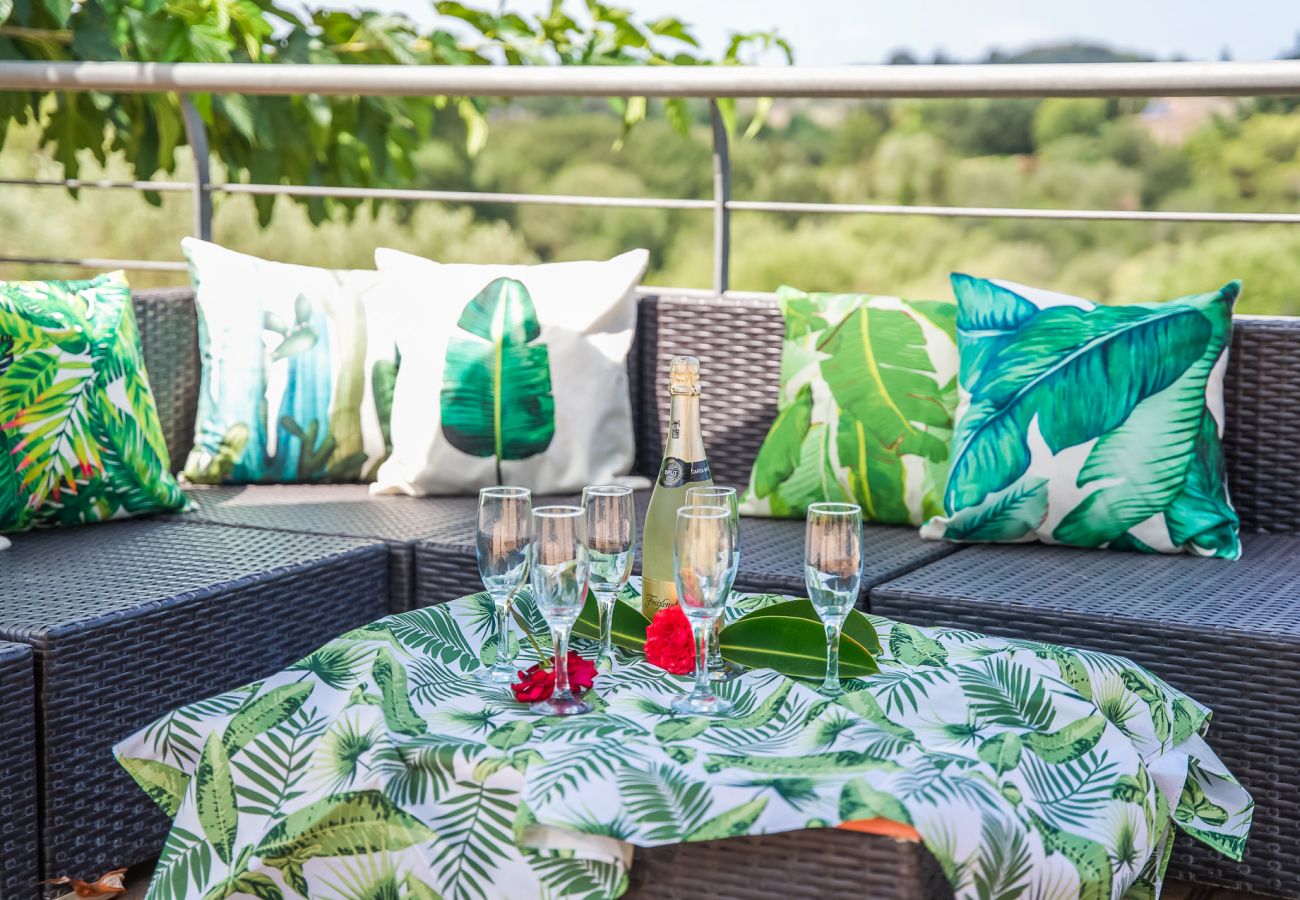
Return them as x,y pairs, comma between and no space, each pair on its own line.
91,262
162,186
360,193
1037,80
975,212
993,212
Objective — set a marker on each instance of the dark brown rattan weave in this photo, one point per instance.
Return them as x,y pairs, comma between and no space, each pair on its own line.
816,863
345,510
1262,404
19,859
738,343
1227,633
130,620
169,336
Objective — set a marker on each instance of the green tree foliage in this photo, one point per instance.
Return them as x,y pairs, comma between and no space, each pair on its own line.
365,141
1057,117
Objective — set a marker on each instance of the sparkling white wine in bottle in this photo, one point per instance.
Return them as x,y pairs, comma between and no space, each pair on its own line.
683,466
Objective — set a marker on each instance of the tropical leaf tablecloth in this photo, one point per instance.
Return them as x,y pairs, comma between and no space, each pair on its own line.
378,766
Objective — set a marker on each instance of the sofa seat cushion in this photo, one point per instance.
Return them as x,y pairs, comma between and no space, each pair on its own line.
1227,633
18,845
131,620
345,510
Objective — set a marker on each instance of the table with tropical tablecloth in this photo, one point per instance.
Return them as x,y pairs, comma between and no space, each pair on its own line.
380,766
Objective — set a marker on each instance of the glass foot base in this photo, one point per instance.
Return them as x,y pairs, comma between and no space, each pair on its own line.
571,706
493,675
721,671
701,706
832,690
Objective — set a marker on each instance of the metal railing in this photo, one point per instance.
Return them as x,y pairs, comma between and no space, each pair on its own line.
709,83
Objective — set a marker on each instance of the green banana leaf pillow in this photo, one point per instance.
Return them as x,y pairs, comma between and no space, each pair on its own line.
1087,425
80,439
868,389
511,374
299,365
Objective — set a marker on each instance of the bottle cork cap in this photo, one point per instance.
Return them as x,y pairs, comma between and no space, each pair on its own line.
684,375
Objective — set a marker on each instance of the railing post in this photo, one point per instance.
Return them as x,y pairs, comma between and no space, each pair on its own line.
721,197
197,135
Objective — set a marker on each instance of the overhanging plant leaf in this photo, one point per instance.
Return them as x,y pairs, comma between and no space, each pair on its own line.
627,629
496,394
791,645
856,625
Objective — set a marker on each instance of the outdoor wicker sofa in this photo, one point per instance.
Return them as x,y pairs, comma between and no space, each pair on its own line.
146,616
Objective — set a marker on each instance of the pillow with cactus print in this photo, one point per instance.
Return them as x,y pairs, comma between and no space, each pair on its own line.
1088,425
80,439
299,365
868,387
512,374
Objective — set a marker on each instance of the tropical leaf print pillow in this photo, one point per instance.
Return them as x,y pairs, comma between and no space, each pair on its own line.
868,387
511,374
299,365
1087,425
80,439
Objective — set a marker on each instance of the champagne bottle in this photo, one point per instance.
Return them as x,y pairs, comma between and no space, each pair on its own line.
683,466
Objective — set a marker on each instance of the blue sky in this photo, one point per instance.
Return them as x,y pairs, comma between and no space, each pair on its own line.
834,32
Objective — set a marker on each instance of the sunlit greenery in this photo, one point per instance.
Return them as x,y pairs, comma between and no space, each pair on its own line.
1072,153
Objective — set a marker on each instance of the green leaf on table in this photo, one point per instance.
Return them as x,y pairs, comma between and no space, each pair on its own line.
264,713
791,645
910,646
859,800
398,712
856,625
350,824
496,394
732,823
164,784
627,629
217,805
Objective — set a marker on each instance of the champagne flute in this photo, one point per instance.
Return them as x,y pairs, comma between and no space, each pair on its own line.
611,535
503,535
560,568
716,495
833,574
702,554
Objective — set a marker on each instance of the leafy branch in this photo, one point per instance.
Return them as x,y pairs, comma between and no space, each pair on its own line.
347,141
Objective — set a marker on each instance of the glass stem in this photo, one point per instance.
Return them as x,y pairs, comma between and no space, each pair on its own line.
606,604
560,633
503,633
702,631
832,682
715,644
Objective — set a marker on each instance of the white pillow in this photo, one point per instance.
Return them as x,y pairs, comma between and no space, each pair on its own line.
562,332
299,365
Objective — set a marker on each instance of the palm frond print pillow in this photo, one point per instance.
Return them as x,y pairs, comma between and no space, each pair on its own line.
868,388
1088,425
80,439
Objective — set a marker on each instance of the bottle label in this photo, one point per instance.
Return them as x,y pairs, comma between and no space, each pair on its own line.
656,595
677,472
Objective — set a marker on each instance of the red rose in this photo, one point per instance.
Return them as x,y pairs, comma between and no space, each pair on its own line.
535,684
669,641
538,683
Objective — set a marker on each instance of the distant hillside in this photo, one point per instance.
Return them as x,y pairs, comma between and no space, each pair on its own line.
1048,53
1067,53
